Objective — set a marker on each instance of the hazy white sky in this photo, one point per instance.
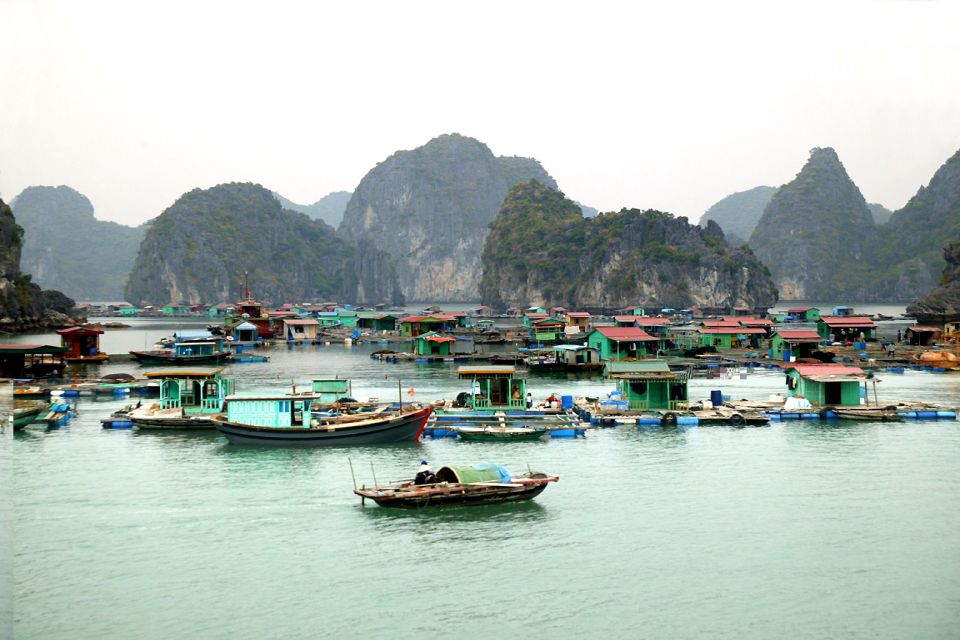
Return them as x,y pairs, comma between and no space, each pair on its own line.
668,105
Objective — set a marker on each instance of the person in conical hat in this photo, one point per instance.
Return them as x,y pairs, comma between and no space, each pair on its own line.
424,474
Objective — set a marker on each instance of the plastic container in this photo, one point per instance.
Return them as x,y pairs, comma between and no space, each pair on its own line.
566,402
688,420
950,415
716,397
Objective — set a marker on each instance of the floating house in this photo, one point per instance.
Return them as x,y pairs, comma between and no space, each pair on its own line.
577,357
495,387
30,360
842,311
634,311
623,343
196,390
826,384
578,319
82,344
793,343
348,318
730,336
921,336
845,328
433,344
654,325
245,332
327,318
649,384
685,336
300,329
375,321
803,314
548,330
413,326
531,317
741,312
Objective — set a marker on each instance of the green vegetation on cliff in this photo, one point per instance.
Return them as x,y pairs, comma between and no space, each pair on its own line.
819,238
23,304
198,250
541,250
66,247
942,304
738,213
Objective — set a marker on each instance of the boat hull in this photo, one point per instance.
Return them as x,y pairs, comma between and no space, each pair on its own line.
198,422
458,495
500,434
406,427
146,357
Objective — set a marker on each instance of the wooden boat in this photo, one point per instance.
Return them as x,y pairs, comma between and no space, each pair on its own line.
467,485
26,415
288,420
170,356
500,434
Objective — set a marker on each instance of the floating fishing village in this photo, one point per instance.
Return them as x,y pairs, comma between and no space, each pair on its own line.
409,320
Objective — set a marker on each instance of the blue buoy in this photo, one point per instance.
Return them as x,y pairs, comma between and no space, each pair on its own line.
950,415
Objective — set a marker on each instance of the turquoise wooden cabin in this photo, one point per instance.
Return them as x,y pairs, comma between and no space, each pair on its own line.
292,410
826,384
623,343
196,390
347,318
731,337
649,384
797,343
433,344
803,314
376,321
495,388
846,328
329,390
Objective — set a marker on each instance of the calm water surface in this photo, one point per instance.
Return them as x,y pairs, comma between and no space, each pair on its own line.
796,530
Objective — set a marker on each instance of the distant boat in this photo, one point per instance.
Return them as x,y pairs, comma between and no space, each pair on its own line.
467,485
169,356
500,434
289,420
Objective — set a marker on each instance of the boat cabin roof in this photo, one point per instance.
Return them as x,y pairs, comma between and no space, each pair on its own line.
192,372
640,370
487,371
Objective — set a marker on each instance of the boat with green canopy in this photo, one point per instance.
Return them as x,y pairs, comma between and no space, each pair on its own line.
461,485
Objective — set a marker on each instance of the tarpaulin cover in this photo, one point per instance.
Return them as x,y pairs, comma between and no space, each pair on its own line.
488,472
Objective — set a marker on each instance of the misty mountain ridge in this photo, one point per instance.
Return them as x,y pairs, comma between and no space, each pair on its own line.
66,247
329,208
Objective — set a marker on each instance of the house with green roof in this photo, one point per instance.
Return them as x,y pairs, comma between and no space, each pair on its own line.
649,384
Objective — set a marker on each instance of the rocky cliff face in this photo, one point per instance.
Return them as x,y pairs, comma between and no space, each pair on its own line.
23,305
738,213
66,247
817,233
942,304
429,209
329,208
542,251
198,250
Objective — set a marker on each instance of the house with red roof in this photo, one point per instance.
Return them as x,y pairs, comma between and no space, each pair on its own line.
725,335
846,328
803,314
624,343
798,343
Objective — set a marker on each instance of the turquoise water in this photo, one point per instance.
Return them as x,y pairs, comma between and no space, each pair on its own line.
799,529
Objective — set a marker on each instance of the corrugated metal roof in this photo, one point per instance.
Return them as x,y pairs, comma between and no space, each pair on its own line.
919,329
798,334
646,321
27,349
799,309
726,330
848,321
626,334
80,331
807,370
486,370
300,323
578,314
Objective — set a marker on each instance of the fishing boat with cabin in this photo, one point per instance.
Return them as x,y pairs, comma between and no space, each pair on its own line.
189,399
190,348
292,419
461,485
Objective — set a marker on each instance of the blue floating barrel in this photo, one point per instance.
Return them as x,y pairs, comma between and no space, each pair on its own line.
716,397
907,414
927,415
773,415
688,420
809,416
71,393
566,402
563,433
949,415
651,420
789,416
